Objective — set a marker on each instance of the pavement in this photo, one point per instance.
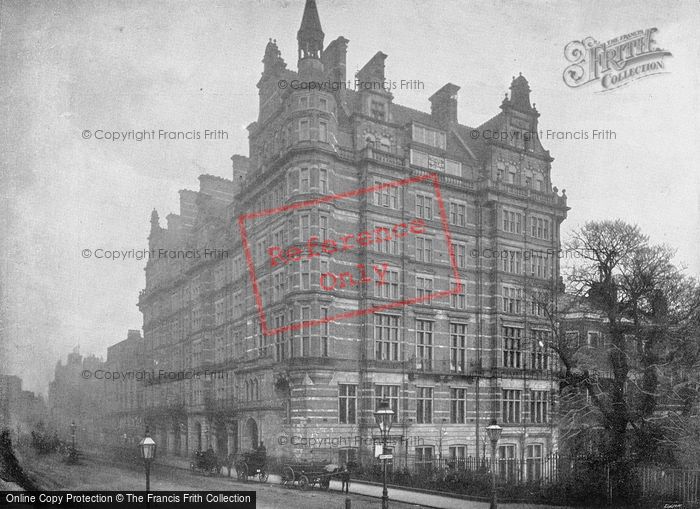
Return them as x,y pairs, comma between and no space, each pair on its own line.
426,500
174,474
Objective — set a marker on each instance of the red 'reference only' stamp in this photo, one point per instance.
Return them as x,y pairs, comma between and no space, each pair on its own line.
361,274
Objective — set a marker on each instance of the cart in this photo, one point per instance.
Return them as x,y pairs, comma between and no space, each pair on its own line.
308,475
205,462
252,464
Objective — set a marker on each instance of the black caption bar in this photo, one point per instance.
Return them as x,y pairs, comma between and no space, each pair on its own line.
131,499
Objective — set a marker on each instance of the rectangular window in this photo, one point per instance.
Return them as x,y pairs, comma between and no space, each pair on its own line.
305,273
323,131
304,102
460,252
390,288
538,407
512,347
323,104
539,227
347,404
424,344
390,393
424,206
507,462
512,221
533,462
458,347
304,227
280,342
458,297
424,286
386,197
424,405
512,300
424,249
511,261
386,242
539,357
304,179
428,136
323,181
322,228
458,405
386,337
458,457
324,332
511,406
458,214
304,129
424,458
305,332
378,110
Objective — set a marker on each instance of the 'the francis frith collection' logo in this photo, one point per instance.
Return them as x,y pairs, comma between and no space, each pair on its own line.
614,63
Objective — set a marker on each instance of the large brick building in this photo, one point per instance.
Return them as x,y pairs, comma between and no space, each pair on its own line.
446,366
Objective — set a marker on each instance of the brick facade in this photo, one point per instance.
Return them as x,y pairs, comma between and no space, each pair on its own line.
286,390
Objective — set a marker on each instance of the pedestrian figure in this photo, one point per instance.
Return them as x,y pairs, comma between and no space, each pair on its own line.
345,479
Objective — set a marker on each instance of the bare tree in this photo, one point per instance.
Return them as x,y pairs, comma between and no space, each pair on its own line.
650,312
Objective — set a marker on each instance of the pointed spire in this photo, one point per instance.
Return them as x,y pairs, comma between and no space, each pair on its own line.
310,35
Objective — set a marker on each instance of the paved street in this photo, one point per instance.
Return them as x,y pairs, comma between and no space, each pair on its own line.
51,473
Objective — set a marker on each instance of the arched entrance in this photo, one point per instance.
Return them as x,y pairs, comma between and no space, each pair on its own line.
251,433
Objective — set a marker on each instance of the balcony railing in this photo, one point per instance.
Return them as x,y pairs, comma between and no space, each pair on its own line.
382,157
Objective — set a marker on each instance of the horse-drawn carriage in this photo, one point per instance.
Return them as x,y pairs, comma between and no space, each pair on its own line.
308,475
252,464
205,462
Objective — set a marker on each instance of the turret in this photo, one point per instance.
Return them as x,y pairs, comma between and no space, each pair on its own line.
310,39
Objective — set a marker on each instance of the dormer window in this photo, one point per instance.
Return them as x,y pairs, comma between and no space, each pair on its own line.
378,110
428,136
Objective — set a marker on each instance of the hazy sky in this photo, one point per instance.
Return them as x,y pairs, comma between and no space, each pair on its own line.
178,66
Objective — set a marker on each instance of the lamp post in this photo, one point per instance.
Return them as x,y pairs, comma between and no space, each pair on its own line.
72,435
442,434
148,453
384,417
494,432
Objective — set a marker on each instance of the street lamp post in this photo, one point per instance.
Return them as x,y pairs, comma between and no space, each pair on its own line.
384,417
148,453
494,432
72,435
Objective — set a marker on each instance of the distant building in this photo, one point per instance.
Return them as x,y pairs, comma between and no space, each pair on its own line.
20,411
124,390
75,397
